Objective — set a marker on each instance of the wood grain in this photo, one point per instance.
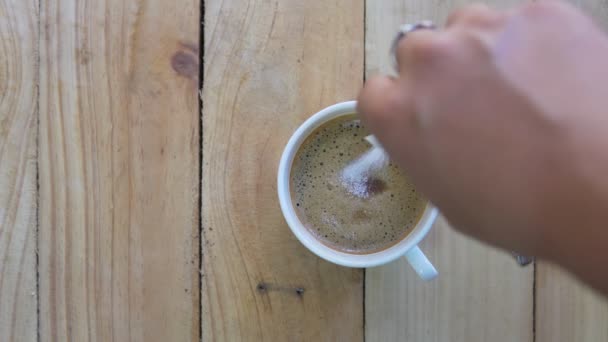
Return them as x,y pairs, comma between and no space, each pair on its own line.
118,163
481,294
268,66
18,127
567,310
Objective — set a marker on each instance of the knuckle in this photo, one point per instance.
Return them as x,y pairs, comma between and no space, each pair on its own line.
394,103
370,102
425,48
476,11
455,15
380,102
541,8
387,110
476,14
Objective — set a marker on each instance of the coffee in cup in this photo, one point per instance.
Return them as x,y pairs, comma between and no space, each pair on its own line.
367,216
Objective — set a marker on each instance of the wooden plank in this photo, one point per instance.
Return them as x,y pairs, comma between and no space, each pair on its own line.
18,127
481,294
268,66
119,159
568,310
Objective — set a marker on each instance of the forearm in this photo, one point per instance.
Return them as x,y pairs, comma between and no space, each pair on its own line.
517,157
576,228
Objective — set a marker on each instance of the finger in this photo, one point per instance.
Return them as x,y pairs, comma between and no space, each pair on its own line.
379,102
387,109
474,15
418,48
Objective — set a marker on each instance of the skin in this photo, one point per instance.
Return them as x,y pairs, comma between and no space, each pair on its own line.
501,119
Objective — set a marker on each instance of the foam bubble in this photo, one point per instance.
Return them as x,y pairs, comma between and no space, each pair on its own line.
329,210
358,176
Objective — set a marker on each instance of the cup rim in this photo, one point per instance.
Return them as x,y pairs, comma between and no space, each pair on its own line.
304,235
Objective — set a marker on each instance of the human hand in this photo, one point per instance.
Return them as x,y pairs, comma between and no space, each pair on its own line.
501,119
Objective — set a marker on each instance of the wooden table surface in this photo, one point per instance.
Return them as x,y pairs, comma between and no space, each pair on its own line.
139,142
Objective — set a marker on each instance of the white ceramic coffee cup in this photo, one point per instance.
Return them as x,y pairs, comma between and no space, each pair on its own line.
407,247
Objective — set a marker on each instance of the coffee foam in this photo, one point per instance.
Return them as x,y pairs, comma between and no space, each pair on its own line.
358,176
371,213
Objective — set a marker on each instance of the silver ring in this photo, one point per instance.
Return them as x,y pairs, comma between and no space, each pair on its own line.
404,30
522,260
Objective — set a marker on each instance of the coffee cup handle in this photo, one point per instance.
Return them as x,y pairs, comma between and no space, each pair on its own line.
421,264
